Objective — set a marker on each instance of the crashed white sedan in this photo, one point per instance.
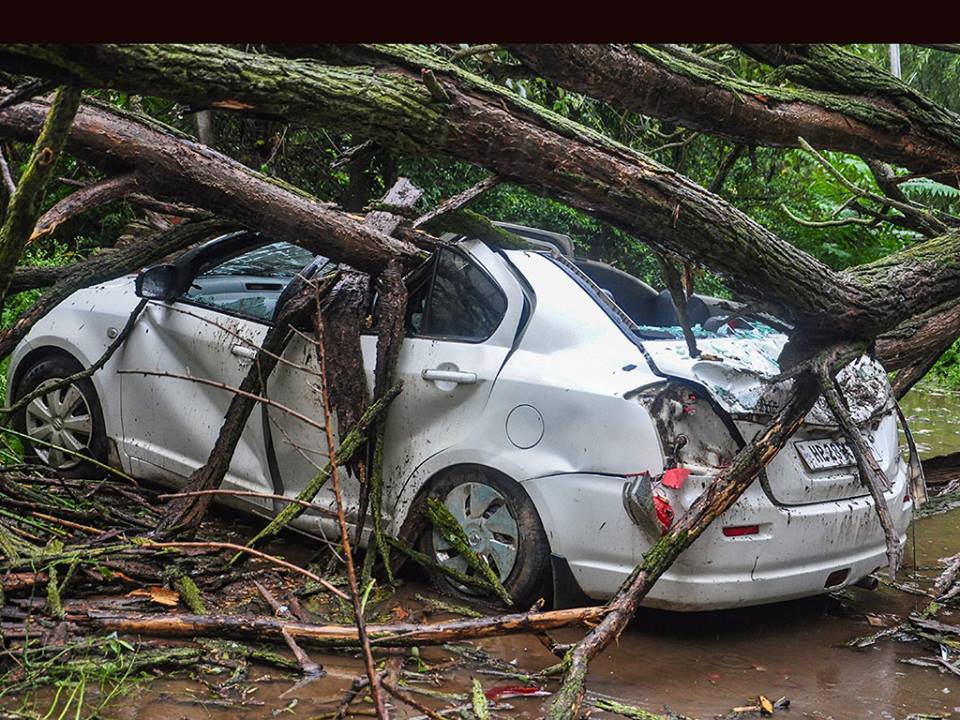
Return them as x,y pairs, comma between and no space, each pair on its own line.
548,401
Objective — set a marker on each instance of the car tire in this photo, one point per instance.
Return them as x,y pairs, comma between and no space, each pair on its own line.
70,416
501,520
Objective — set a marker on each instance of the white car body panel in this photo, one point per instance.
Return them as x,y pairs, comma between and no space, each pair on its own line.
201,344
562,407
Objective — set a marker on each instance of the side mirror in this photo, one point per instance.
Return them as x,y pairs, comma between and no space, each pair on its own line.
157,283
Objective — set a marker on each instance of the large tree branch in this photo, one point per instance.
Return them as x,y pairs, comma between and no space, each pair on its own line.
86,198
722,492
182,170
652,81
468,118
24,205
834,69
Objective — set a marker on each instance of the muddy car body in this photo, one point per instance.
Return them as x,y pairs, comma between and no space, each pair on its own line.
549,402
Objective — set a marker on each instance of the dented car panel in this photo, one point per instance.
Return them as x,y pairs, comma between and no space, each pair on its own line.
610,433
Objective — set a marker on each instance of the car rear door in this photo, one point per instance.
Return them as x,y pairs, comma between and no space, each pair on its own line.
210,333
462,319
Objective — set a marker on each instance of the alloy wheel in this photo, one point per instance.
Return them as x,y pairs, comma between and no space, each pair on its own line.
491,530
61,420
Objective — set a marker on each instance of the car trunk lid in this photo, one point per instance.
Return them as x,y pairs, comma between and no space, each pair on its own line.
816,465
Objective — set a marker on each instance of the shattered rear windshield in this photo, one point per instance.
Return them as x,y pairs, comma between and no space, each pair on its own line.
280,260
737,328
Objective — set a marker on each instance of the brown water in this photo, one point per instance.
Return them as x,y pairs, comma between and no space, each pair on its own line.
700,664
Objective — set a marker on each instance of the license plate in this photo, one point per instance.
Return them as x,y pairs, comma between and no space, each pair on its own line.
825,454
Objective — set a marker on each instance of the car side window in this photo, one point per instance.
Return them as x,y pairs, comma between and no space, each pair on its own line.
461,303
250,283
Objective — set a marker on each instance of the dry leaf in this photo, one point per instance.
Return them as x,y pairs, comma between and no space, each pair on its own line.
159,595
766,707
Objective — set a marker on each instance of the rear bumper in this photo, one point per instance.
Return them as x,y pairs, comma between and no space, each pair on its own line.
792,555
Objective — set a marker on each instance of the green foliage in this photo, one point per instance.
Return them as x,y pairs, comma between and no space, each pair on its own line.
946,371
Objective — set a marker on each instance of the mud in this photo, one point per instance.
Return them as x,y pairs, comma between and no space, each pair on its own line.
700,665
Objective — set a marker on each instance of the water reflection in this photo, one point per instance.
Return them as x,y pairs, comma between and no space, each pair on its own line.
934,419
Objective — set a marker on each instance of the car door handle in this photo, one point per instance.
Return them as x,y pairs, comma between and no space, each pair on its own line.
244,351
452,376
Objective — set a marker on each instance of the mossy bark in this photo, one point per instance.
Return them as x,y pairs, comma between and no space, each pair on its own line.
385,98
178,169
653,81
349,444
23,208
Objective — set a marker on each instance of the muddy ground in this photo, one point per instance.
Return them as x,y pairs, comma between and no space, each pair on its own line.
700,665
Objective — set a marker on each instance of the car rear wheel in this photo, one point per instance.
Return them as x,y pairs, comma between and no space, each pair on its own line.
502,526
64,424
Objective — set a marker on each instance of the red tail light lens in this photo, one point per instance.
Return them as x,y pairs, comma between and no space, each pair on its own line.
741,530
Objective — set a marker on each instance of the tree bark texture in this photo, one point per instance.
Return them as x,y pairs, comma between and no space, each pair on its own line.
179,169
23,208
463,116
649,80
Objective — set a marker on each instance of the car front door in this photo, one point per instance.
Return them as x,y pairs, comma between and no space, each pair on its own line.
208,337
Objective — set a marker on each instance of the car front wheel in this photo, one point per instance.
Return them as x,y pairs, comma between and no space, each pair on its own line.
64,424
501,525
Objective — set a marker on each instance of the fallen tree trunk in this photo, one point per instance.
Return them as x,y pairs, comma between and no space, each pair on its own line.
390,635
650,80
415,101
179,169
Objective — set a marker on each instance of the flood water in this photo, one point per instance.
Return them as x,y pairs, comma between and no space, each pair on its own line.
700,665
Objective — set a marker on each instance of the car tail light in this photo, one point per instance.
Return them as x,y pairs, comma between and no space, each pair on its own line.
741,530
906,498
837,577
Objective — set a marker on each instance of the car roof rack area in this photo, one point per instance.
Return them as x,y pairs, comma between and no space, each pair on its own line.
542,239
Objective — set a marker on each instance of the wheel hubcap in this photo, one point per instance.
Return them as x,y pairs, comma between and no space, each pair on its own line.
61,419
491,531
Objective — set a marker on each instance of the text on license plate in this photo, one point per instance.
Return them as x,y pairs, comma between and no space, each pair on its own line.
825,454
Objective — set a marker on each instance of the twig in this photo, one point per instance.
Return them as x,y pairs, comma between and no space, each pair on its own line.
408,699
211,545
925,215
308,666
245,340
827,223
223,386
87,372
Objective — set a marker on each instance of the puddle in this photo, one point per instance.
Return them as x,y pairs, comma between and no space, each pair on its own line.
700,665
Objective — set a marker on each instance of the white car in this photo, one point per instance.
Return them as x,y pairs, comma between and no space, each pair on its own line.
548,402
